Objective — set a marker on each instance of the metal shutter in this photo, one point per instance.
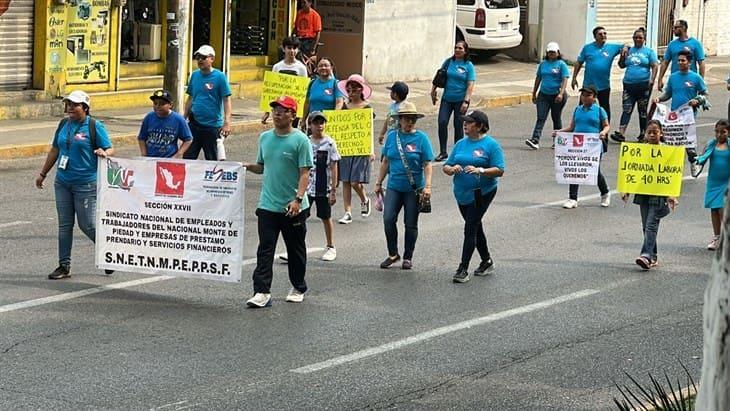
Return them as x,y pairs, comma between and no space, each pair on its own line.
16,53
621,18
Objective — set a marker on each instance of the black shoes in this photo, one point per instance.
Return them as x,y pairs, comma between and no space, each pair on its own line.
484,267
461,275
61,272
441,157
108,272
390,261
618,137
407,265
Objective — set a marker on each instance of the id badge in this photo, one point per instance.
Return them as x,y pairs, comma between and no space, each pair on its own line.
63,162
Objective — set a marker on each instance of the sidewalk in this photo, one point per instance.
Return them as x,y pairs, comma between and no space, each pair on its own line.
500,82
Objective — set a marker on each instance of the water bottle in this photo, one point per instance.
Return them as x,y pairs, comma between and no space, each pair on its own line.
221,149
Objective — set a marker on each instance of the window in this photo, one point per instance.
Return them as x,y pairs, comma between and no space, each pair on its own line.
501,4
465,2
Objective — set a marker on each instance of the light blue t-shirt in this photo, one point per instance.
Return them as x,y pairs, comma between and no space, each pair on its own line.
683,87
598,61
638,65
207,92
282,157
589,119
485,152
551,75
323,95
74,142
417,150
458,74
691,44
160,134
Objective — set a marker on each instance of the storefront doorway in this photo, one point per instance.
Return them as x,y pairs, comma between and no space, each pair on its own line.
249,20
141,31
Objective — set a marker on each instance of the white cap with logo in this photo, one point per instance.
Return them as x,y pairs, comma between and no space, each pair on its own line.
205,50
78,96
552,46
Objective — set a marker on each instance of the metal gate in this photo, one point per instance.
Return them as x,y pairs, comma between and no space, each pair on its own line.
16,51
621,18
666,22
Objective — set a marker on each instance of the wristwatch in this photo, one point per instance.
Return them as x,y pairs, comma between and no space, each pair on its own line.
299,199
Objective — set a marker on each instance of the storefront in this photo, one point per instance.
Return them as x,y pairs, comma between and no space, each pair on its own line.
16,53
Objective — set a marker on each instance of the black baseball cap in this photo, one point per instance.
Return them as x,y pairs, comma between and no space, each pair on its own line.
589,89
161,95
400,88
477,116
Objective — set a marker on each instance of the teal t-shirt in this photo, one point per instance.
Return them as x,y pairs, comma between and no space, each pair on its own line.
638,65
551,75
485,152
458,75
417,151
282,157
598,61
74,141
208,92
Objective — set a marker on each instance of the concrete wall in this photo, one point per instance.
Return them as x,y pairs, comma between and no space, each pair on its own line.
407,39
565,21
707,20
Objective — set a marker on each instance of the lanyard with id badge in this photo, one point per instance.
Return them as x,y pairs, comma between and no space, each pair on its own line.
63,161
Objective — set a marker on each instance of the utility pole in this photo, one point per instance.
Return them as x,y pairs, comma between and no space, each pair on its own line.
177,29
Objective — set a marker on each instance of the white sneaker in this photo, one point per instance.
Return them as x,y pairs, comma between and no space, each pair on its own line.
606,200
712,246
259,300
330,254
284,258
570,203
346,219
365,208
295,296
695,169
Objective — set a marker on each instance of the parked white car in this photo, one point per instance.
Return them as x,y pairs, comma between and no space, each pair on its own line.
488,25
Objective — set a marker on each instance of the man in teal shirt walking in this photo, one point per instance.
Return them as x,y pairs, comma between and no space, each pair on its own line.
284,158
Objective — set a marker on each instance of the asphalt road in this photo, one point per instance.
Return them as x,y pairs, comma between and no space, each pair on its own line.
565,313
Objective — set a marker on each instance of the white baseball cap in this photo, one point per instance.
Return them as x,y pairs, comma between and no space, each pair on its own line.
78,96
205,50
552,46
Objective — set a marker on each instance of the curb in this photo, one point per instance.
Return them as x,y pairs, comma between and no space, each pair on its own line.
248,126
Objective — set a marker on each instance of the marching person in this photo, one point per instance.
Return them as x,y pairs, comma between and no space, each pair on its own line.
552,80
284,158
653,208
589,117
77,145
598,58
207,106
407,157
323,93
475,162
162,128
398,94
460,78
641,64
289,65
683,42
718,155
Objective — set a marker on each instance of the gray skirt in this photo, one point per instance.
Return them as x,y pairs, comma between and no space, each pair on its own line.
355,169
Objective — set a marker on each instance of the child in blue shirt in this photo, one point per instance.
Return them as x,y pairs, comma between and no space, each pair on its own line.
162,128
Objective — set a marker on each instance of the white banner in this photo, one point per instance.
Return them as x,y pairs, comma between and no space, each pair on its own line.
176,217
678,126
577,156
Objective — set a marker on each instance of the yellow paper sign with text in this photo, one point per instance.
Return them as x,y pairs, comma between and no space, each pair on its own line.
650,169
352,130
277,85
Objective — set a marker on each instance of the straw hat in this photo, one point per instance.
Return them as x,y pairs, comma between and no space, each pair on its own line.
407,109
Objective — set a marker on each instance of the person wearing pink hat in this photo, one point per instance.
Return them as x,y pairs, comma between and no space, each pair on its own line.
354,171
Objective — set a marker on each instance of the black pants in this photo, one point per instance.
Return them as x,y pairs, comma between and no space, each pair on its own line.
203,137
635,95
474,236
294,231
604,100
602,186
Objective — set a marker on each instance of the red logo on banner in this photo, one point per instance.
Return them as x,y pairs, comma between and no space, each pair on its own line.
578,140
170,179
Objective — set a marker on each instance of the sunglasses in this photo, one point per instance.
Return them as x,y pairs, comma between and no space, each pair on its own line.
280,110
201,57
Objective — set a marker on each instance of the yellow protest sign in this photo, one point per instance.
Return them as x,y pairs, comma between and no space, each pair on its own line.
650,169
277,85
352,130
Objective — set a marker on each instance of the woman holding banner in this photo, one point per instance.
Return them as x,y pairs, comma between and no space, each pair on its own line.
475,162
589,117
77,144
355,170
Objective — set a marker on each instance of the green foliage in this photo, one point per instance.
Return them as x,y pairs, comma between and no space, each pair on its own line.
655,396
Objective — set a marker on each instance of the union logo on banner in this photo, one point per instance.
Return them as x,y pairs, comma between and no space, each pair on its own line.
578,140
170,179
118,176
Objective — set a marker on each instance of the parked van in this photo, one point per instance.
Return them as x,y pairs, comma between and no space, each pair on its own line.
488,25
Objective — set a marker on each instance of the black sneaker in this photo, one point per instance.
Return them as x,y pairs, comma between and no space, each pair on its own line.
441,157
389,261
533,144
108,272
618,137
484,267
640,138
461,275
61,272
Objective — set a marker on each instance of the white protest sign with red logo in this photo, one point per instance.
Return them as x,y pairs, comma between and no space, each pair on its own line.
577,157
678,126
175,217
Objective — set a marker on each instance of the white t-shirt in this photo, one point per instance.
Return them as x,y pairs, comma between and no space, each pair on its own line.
297,69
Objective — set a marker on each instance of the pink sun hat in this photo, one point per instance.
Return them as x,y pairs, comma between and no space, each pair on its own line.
356,78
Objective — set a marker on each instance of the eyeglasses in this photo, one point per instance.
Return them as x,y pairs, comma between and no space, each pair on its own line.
280,110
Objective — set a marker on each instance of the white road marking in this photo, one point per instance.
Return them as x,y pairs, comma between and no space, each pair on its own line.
437,332
14,223
172,404
96,290
593,196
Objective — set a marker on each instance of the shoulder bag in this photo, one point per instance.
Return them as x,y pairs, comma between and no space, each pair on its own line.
424,204
439,80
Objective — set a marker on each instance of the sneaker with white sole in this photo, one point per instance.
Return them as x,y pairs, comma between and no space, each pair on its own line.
295,296
712,246
533,144
606,200
570,203
695,169
330,253
346,219
365,208
259,300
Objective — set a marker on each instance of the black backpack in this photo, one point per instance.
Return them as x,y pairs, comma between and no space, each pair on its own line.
92,130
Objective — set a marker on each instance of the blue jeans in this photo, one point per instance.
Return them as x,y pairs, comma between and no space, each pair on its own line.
474,236
635,94
445,110
546,104
394,201
78,200
651,215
